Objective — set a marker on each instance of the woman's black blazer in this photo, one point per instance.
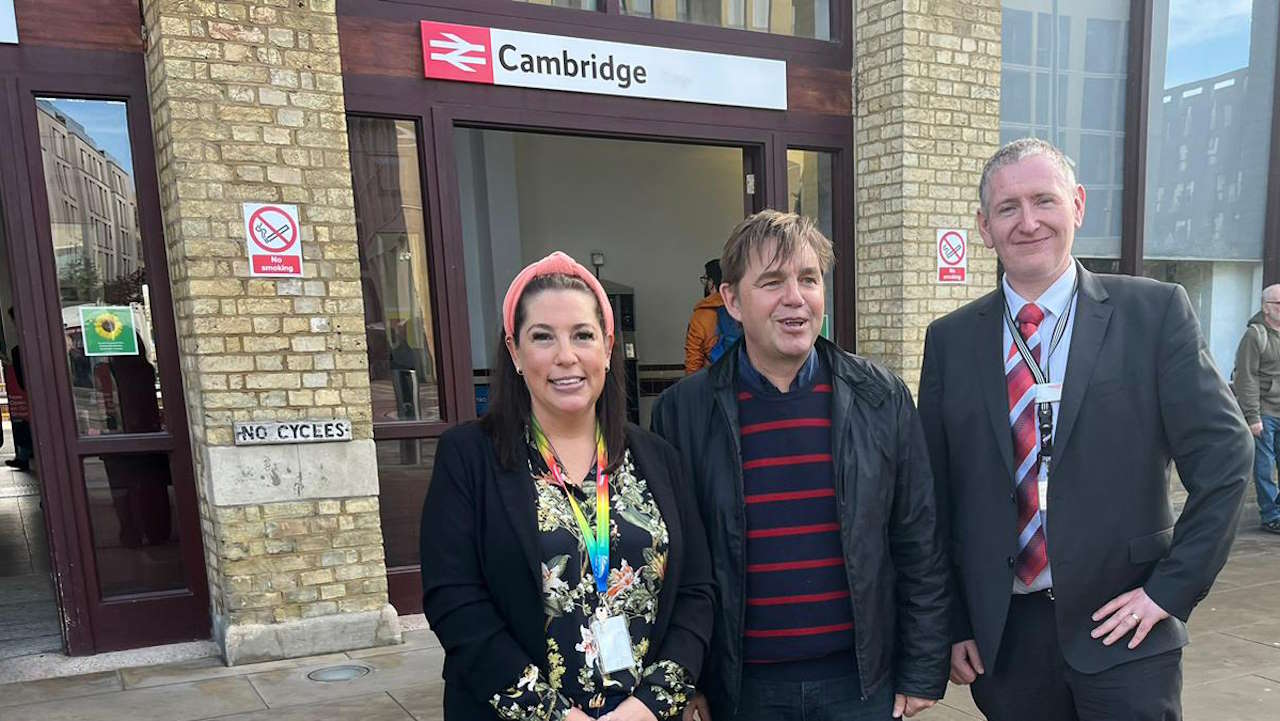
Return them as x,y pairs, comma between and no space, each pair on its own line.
482,577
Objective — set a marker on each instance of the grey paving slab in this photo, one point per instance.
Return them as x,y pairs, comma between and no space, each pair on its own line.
413,640
1224,614
1265,632
1247,698
289,687
202,669
1213,657
424,701
53,689
1248,569
372,707
180,702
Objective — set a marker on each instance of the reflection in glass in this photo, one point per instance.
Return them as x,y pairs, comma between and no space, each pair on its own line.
394,270
102,275
404,472
576,4
1063,80
1213,72
131,511
809,194
801,18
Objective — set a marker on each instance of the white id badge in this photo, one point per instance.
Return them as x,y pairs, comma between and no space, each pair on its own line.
613,644
1048,392
1042,486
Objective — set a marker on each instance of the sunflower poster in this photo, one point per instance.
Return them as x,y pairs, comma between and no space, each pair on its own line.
108,330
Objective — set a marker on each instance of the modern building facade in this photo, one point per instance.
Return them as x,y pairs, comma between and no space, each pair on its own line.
148,140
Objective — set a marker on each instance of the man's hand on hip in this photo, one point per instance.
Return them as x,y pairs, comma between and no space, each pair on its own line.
1130,611
1256,429
966,664
907,706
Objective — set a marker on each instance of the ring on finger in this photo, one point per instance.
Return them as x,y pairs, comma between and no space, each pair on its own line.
1134,617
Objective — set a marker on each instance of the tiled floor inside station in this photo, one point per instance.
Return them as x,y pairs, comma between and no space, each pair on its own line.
28,611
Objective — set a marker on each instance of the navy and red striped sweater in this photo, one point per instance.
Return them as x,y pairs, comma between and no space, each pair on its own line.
798,604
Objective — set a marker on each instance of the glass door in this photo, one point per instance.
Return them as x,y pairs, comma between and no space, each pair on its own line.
107,404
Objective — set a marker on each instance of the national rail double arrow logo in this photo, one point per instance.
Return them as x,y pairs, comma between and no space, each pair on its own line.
457,52
459,55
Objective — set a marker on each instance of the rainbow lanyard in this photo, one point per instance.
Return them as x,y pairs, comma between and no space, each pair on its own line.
597,547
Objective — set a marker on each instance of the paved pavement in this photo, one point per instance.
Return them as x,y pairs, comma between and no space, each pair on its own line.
1231,671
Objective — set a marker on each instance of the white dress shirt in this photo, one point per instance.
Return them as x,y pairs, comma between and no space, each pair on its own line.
1054,302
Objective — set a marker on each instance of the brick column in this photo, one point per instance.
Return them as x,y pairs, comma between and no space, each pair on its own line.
247,105
927,83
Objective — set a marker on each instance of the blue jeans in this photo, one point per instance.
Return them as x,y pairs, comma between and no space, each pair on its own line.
837,699
1264,466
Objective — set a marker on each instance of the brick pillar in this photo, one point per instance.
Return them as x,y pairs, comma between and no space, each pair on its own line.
247,106
927,82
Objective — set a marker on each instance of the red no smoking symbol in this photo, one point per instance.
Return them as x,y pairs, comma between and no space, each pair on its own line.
951,248
272,229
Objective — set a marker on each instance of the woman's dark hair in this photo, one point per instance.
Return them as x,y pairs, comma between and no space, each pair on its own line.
509,404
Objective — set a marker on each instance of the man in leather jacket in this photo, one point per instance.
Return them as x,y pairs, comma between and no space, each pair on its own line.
812,477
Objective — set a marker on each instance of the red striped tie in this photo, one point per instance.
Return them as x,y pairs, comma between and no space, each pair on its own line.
1033,555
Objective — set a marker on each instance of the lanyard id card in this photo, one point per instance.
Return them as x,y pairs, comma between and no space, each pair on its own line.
1046,392
613,644
613,639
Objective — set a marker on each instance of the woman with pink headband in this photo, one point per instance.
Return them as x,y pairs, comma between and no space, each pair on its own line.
564,564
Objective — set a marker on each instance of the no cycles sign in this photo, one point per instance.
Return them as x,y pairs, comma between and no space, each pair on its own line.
953,256
271,237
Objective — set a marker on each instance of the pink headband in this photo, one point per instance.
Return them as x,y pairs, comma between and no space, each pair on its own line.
556,263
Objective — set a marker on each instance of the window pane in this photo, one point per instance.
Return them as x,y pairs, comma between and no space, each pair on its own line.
404,473
809,194
102,275
394,270
131,510
577,4
802,18
1207,153
1063,80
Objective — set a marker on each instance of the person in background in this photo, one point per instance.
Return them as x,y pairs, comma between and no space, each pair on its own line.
1257,387
1054,408
712,330
813,481
564,563
15,384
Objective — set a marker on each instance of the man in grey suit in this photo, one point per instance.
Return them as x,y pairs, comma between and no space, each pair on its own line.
1052,408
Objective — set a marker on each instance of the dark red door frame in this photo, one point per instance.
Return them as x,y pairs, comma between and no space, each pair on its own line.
94,624
59,508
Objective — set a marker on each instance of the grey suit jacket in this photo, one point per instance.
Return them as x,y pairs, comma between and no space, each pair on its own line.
1140,391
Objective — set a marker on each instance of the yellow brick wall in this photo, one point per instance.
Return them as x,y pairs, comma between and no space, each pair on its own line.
247,106
927,115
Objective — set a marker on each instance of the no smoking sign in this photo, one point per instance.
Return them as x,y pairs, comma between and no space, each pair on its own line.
271,237
953,255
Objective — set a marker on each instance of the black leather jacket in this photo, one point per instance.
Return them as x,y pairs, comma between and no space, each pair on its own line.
897,571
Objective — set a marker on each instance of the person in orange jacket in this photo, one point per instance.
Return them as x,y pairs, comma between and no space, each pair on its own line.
711,329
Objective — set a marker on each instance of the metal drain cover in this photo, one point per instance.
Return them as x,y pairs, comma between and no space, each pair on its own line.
334,674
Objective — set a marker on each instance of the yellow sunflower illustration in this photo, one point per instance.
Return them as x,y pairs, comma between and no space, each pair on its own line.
108,325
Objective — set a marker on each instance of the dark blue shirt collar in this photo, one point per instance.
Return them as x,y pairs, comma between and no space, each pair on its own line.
753,380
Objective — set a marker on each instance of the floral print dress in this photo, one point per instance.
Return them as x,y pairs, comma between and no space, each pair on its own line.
637,561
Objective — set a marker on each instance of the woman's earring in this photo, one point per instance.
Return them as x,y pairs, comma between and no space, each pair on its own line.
519,371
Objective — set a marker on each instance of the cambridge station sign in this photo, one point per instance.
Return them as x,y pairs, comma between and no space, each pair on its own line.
512,58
